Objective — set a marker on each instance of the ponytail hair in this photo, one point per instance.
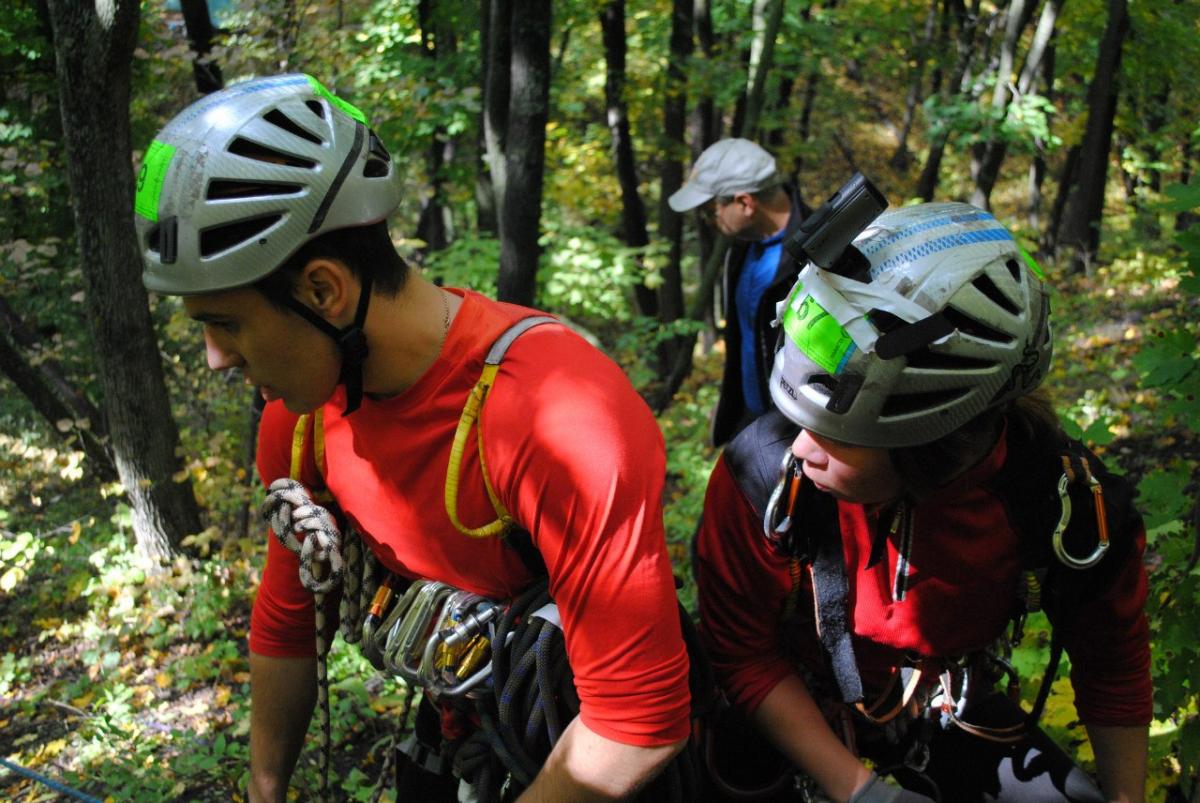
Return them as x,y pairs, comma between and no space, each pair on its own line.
929,466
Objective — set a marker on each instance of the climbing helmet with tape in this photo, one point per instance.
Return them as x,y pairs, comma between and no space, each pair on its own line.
239,180
950,319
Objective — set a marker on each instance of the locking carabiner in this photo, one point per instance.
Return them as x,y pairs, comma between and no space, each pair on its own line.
789,478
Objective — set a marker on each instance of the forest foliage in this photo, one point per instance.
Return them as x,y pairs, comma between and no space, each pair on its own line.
131,684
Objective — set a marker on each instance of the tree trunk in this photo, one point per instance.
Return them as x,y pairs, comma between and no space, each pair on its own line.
432,225
200,32
901,158
633,211
670,223
1066,182
987,167
497,91
1039,67
1080,232
768,14
485,191
526,151
704,131
987,156
93,46
68,412
968,23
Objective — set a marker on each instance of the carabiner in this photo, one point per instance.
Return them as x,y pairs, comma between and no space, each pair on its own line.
789,475
1064,497
402,655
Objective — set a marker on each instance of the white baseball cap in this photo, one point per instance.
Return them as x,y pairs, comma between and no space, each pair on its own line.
726,168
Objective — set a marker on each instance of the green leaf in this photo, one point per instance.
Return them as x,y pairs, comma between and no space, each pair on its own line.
1161,494
1099,434
1184,197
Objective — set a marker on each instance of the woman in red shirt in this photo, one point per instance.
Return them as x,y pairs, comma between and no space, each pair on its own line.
858,607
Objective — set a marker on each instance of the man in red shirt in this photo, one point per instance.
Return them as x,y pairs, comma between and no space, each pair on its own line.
265,207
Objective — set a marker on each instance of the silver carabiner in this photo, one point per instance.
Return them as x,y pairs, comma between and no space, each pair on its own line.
401,655
463,626
772,531
1064,519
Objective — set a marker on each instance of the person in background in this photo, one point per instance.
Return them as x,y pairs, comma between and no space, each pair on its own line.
865,547
739,191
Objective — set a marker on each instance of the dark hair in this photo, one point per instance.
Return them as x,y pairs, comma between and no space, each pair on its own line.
765,194
929,466
366,250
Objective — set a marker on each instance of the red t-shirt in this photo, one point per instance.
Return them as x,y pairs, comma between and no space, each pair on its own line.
575,456
964,570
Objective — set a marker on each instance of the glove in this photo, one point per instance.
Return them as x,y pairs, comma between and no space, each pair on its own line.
876,791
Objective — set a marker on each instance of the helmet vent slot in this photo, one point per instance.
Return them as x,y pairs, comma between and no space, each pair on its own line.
824,383
278,118
224,188
374,168
376,148
970,326
1015,270
901,404
216,239
935,360
261,153
316,107
378,159
984,284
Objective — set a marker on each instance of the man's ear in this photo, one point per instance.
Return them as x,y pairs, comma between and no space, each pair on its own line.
746,203
328,287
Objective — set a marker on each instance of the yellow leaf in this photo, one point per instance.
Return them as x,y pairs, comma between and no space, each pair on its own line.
76,531
162,680
54,747
83,700
63,424
9,580
223,694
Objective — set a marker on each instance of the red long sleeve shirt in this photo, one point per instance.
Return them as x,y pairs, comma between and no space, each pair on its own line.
575,456
962,584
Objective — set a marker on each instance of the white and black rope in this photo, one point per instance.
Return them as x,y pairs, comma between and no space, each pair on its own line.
330,560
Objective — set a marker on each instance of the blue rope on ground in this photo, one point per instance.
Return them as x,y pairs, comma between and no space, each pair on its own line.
55,785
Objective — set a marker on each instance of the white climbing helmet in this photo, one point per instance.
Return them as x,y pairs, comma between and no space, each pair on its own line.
950,320
239,180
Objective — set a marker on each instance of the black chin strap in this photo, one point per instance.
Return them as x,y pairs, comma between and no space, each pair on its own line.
351,342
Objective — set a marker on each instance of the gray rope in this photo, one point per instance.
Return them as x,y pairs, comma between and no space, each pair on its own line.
330,559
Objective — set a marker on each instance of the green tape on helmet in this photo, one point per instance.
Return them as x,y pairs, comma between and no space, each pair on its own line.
348,108
1032,263
815,332
150,179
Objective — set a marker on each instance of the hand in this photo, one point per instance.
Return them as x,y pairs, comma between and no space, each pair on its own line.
876,791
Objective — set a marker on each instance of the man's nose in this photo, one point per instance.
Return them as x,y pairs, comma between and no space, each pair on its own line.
805,448
219,357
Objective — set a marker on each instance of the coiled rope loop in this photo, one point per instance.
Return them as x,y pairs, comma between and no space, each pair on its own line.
331,559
